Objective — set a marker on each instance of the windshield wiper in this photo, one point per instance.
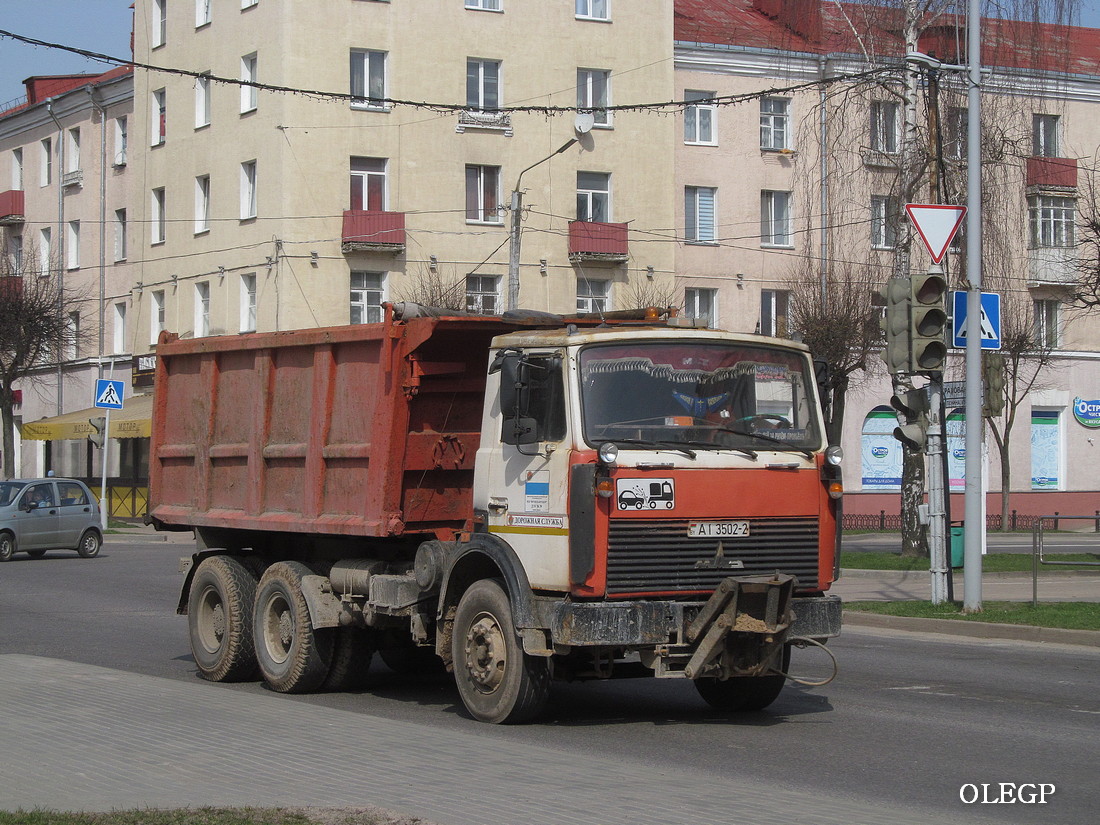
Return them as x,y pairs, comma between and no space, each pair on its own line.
668,445
804,450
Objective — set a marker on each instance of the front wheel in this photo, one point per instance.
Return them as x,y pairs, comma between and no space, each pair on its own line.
497,681
293,657
7,546
219,619
89,545
744,693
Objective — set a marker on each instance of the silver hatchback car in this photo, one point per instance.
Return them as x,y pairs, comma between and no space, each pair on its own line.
41,514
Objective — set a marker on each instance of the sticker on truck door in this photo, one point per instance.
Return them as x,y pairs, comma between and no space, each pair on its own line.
645,493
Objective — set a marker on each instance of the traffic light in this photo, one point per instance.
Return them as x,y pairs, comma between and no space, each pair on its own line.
913,404
895,325
928,322
993,374
99,424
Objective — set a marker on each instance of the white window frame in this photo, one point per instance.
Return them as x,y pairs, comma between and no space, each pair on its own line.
202,13
884,229
367,294
248,302
884,126
14,251
700,209
120,235
1046,135
592,198
45,250
700,119
250,95
158,34
369,81
202,309
249,183
122,140
480,178
159,121
594,95
202,101
72,245
156,314
701,303
362,178
485,5
158,224
482,294
958,126
202,204
593,9
775,308
45,167
593,294
776,225
1051,221
1048,322
72,349
72,150
482,84
775,124
247,4
17,168
118,327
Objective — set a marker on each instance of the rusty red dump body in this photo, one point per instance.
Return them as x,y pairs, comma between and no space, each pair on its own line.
364,430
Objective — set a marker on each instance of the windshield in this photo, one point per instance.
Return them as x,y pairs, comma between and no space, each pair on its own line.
700,396
9,490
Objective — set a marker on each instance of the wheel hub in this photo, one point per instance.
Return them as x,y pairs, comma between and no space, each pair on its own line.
486,653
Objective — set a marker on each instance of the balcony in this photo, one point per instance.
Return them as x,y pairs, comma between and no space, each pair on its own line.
11,207
485,119
597,242
1052,173
373,231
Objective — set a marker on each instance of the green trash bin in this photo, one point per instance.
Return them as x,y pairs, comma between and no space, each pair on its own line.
957,544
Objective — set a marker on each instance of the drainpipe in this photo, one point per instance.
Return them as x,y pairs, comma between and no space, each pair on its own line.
59,242
823,138
102,223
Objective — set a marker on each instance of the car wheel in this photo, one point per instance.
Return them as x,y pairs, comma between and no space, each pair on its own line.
7,546
89,544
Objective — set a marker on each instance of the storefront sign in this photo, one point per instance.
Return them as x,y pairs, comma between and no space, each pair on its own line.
1087,413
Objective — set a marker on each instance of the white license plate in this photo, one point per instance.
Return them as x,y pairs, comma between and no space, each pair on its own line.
717,529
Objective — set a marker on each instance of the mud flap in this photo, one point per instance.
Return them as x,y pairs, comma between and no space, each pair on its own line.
756,605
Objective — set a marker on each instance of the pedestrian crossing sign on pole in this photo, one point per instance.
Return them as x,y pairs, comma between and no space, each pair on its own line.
991,320
108,394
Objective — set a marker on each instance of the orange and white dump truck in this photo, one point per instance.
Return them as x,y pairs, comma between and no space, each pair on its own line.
521,499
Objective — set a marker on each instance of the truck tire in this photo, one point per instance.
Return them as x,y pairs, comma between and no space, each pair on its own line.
744,693
293,657
497,681
402,656
219,620
352,652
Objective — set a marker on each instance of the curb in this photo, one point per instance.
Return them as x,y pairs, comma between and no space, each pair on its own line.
974,630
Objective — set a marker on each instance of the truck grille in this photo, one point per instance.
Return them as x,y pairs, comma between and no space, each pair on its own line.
651,556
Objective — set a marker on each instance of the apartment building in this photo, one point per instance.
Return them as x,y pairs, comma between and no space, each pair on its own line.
370,153
787,173
64,212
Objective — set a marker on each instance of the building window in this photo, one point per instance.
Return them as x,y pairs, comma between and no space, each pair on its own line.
1048,313
701,305
592,295
594,196
159,32
120,234
45,250
957,128
248,190
1051,220
72,246
368,79
775,218
775,122
120,141
1046,449
17,168
72,150
484,5
202,101
699,214
699,118
483,194
45,177
202,204
160,120
482,294
73,349
247,4
119,327
159,221
773,312
202,309
593,9
482,84
202,13
250,95
156,315
593,95
368,184
884,222
367,295
15,253
884,126
248,303
1044,136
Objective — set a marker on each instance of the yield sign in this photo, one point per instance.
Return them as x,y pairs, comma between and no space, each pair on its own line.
936,224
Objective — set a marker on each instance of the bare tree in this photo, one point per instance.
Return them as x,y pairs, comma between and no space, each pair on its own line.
36,332
435,288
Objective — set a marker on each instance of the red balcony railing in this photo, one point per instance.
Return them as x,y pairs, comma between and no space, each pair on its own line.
11,206
366,231
1061,172
590,241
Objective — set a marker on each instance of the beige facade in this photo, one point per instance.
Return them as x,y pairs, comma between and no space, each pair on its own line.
243,203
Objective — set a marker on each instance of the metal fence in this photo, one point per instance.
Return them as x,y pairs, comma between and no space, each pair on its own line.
884,522
1042,524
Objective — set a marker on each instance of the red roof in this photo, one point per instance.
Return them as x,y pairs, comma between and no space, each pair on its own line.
42,87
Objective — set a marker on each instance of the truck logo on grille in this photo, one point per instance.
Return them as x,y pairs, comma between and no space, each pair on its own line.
720,562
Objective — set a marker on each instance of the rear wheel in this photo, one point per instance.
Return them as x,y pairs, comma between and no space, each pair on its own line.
745,693
497,681
402,656
219,619
7,546
89,545
293,657
352,652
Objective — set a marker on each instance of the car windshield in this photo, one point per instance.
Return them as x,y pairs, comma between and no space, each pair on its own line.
714,395
9,490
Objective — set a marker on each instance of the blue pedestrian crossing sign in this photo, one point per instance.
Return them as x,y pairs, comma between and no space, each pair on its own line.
991,319
108,393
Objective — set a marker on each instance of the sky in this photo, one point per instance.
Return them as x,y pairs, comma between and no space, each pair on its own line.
104,26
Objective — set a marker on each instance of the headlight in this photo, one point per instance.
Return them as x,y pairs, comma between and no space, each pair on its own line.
834,455
607,453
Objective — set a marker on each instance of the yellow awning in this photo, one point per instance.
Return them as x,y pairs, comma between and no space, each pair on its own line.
134,420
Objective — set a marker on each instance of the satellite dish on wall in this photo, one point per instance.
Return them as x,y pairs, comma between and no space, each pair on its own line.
583,122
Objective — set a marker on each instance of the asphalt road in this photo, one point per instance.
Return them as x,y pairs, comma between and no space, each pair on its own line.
910,719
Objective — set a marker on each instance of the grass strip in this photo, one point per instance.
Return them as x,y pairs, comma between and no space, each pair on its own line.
1067,615
209,816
